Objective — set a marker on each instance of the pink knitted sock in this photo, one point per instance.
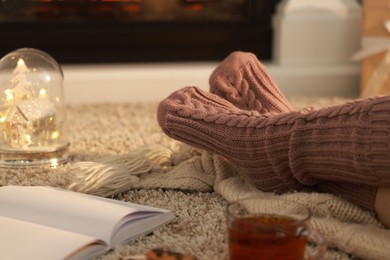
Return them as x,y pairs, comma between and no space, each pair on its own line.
243,80
347,143
230,81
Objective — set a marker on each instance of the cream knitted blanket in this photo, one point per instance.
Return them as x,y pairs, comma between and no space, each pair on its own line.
118,150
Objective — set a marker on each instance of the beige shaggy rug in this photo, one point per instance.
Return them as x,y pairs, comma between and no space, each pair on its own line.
127,157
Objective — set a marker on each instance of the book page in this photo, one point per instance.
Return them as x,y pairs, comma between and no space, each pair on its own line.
81,213
144,227
23,240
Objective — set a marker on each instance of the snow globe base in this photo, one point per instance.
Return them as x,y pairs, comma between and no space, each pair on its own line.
26,158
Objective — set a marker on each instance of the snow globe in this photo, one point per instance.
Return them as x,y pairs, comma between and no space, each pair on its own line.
32,110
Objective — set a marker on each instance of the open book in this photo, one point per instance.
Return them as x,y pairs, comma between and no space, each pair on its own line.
47,223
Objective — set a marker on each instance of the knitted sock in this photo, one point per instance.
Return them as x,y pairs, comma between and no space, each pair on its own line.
230,81
243,80
347,143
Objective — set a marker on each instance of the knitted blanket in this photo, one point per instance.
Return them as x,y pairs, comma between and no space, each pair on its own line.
118,151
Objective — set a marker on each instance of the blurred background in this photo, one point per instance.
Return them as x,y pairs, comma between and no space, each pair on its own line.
126,50
107,31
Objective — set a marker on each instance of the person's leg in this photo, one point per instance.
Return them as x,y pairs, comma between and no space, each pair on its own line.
243,81
382,203
346,143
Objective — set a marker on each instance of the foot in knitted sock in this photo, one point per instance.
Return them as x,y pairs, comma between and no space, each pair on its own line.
209,122
243,80
347,143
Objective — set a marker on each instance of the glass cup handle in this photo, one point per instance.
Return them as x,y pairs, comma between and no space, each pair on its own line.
317,239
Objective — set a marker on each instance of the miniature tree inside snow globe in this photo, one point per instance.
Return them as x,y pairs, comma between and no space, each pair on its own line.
32,110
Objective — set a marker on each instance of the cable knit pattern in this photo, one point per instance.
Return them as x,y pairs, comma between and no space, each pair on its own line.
244,81
346,143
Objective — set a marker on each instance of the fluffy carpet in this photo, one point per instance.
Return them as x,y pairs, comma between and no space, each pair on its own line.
191,183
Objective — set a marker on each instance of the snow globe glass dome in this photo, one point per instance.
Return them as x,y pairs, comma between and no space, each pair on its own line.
32,110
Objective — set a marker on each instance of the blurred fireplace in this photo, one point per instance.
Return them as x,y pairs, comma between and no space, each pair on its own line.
97,31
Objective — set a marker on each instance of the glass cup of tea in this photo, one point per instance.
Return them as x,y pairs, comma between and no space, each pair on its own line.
272,229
